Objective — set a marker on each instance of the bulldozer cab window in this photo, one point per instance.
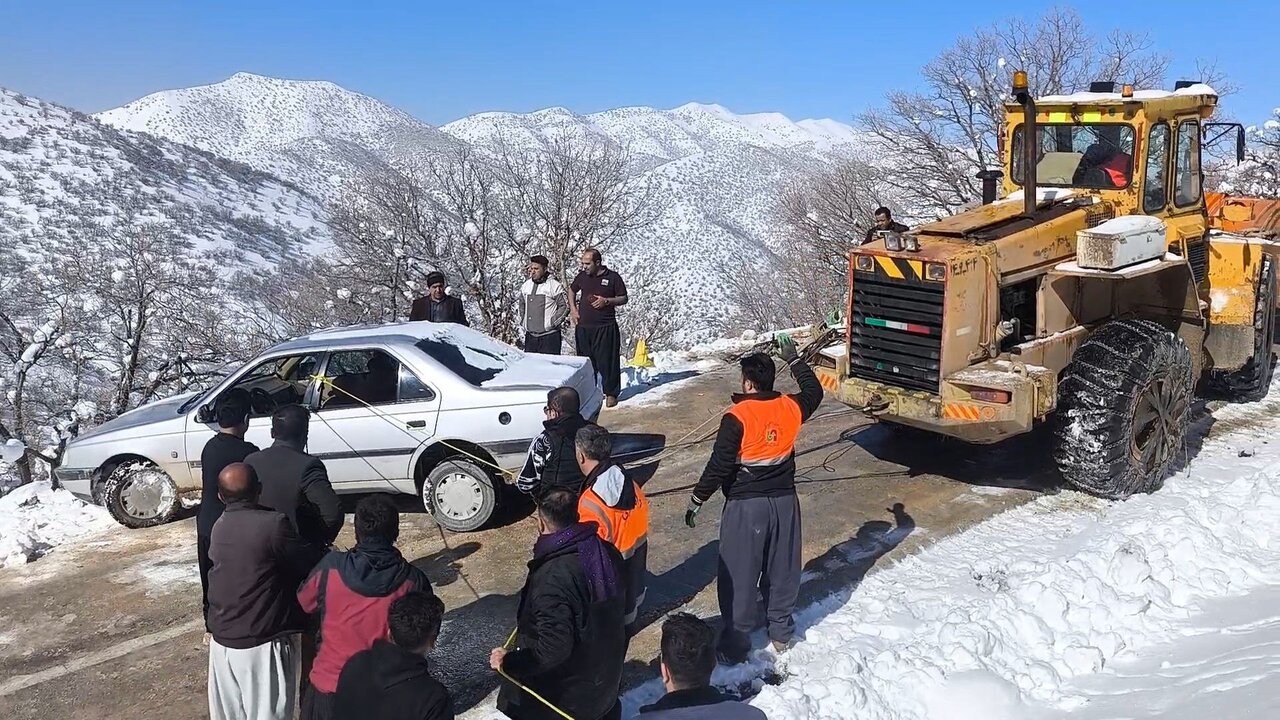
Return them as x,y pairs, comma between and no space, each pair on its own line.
1097,156
1154,193
1186,175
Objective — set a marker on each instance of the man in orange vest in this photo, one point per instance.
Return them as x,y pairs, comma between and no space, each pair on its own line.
618,506
753,463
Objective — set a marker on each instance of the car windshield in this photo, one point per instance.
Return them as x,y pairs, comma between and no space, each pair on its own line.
472,357
1095,156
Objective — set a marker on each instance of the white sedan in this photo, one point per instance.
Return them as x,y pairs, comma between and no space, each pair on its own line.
441,411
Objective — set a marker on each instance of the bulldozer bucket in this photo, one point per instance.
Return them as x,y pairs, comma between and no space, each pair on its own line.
1243,214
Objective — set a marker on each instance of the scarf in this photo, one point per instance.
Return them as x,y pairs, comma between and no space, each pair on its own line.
602,575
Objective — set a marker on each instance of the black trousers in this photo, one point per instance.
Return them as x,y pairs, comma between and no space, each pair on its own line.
548,344
316,705
603,345
760,547
202,559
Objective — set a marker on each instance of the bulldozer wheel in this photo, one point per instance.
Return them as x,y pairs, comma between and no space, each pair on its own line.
1124,410
1250,382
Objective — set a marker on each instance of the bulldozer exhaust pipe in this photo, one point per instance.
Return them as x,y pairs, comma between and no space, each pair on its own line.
989,178
1030,138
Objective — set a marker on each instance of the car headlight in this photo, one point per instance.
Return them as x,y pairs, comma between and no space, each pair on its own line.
865,263
936,271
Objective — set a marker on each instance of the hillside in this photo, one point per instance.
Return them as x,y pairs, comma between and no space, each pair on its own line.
62,173
716,174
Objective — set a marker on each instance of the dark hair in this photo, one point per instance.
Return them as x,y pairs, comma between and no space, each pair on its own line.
759,369
565,401
377,519
594,442
559,508
882,210
414,619
290,423
688,650
232,409
540,260
594,253
249,490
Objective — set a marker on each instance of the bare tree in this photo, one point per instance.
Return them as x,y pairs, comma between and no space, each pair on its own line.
575,192
933,142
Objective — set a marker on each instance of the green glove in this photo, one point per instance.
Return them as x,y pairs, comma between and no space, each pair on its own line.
787,348
691,512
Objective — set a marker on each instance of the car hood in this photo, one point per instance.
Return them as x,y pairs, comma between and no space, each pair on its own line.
149,414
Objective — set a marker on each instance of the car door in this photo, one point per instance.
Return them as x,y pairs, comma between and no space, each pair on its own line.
372,413
278,380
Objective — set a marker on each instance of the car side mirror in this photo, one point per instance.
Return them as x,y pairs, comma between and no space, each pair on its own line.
205,414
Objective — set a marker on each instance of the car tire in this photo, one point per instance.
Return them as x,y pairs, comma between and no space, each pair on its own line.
1124,410
140,495
460,495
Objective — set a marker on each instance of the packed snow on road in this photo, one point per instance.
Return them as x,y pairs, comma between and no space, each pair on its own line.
1161,606
35,519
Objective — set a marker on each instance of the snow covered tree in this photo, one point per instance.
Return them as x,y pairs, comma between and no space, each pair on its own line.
573,193
934,141
1259,174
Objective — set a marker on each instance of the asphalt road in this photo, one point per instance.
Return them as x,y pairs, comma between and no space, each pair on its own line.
109,628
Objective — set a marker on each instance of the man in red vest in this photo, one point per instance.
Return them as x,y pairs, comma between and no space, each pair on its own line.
754,464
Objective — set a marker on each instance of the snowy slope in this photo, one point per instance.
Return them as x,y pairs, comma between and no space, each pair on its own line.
35,519
61,172
716,174
1160,606
305,131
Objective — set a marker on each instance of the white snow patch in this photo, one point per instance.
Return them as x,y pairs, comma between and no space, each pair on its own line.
35,519
1062,605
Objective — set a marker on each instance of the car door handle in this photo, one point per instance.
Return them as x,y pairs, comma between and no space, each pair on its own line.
417,423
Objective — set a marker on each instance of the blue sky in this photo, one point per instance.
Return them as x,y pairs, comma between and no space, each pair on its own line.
442,61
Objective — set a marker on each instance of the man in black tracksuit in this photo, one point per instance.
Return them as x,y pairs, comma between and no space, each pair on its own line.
753,463
296,483
595,316
552,459
570,640
226,447
883,221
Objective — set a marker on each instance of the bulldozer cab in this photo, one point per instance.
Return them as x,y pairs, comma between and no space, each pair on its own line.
1140,152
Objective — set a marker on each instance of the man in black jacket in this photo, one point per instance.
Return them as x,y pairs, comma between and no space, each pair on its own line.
437,305
226,447
391,680
570,639
296,483
753,463
883,221
552,459
258,560
687,659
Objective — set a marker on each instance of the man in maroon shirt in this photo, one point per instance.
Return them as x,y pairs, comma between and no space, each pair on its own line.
595,318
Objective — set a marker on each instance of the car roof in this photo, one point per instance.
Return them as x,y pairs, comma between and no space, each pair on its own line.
398,333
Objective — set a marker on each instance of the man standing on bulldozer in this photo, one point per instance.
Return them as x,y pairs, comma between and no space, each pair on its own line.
753,462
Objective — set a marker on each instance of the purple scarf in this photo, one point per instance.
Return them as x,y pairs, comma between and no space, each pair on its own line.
602,575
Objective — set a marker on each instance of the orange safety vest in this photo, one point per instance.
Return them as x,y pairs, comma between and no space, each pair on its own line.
769,430
624,529
1117,169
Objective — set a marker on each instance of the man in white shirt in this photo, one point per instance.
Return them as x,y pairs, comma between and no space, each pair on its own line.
543,309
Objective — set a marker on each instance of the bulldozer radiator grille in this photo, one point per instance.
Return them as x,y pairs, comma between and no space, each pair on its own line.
1197,258
896,331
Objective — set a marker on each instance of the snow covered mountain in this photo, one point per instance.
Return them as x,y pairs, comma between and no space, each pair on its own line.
62,173
716,174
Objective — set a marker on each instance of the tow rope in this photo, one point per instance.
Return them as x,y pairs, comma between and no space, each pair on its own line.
507,646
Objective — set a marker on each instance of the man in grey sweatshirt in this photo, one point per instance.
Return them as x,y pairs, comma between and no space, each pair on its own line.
543,309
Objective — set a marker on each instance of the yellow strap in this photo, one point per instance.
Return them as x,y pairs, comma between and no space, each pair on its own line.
507,646
329,383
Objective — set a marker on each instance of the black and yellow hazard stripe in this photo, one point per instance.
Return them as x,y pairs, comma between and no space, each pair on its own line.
899,268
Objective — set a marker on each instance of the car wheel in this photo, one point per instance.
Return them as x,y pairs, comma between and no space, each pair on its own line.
459,495
140,495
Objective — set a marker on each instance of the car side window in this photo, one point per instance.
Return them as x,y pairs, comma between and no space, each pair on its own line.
412,388
277,382
1186,177
1155,195
360,377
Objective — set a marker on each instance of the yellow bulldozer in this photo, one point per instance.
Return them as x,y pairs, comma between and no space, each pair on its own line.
1100,295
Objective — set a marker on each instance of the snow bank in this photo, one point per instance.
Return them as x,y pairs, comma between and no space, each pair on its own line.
998,621
35,518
